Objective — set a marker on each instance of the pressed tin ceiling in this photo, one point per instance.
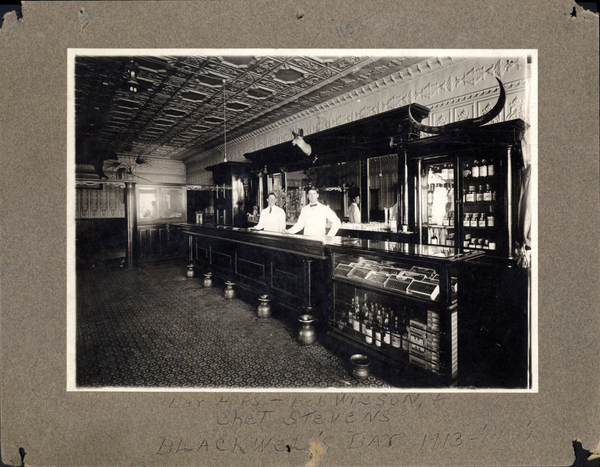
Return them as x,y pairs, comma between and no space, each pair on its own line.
177,110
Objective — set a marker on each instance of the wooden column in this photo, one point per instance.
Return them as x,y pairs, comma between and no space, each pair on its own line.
402,187
308,292
261,192
131,216
190,267
364,191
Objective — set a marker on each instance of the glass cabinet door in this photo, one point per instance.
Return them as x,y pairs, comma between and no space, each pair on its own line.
483,206
438,205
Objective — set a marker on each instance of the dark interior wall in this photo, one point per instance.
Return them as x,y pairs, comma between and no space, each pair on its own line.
99,240
197,200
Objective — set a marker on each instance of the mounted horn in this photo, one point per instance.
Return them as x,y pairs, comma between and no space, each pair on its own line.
464,124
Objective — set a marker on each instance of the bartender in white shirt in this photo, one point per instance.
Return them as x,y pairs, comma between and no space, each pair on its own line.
354,211
313,218
272,218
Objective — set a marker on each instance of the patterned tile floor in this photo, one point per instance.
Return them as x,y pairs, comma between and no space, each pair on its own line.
154,327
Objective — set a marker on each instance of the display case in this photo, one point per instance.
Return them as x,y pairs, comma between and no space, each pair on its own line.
231,193
398,302
466,188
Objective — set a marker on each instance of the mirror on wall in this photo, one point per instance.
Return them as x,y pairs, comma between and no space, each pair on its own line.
383,188
148,203
339,186
172,203
334,182
161,203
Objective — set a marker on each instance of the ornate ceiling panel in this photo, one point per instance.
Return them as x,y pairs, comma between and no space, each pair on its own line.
174,106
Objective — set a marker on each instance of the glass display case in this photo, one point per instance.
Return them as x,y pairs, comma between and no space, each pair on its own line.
438,203
467,191
484,210
398,302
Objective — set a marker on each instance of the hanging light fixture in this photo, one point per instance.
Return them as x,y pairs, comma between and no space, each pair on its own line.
132,83
224,125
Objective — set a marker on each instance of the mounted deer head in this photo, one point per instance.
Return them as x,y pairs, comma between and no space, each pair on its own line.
299,141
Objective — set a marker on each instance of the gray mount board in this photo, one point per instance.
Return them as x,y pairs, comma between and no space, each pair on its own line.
52,427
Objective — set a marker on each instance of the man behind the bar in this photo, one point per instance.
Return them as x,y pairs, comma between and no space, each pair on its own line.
313,218
354,211
272,218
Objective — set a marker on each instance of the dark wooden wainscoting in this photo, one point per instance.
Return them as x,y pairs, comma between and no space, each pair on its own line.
157,241
100,242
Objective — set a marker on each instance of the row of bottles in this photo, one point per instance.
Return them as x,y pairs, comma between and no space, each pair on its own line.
447,220
479,243
480,219
479,169
474,193
378,325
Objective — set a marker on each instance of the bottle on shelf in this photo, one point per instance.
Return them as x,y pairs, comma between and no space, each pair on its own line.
490,217
351,314
483,168
479,194
467,219
474,219
467,240
481,222
490,168
377,324
366,322
357,317
396,336
487,194
387,333
471,193
475,169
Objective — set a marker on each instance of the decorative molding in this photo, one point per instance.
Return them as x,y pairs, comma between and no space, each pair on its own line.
382,95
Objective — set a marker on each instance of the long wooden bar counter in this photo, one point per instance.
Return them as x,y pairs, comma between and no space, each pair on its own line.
292,269
410,306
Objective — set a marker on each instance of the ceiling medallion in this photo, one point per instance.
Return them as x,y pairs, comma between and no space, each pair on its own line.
288,75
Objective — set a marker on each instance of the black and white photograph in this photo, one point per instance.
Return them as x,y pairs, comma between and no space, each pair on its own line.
302,220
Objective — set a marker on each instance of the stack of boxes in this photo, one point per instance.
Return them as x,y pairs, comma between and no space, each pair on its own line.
424,342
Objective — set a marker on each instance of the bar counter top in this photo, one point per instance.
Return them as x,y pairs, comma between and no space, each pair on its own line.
317,246
298,244
397,249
